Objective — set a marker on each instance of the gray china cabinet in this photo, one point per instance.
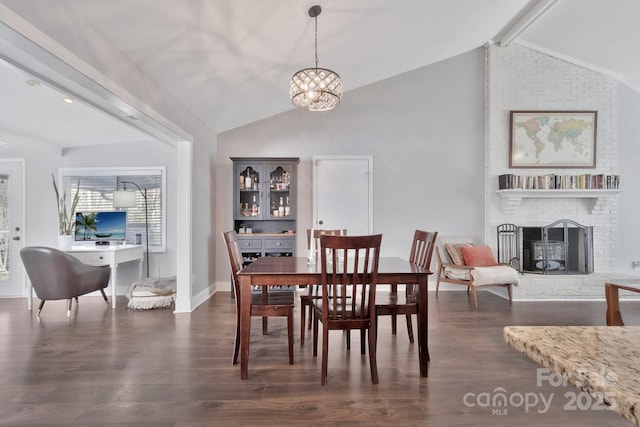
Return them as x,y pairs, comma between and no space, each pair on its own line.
264,205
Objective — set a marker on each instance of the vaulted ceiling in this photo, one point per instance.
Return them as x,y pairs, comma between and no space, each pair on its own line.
229,62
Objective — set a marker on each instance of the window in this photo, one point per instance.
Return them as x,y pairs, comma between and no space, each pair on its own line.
96,194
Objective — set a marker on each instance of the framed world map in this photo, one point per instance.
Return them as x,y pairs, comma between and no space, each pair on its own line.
553,139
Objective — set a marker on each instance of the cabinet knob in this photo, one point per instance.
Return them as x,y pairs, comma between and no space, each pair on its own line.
279,243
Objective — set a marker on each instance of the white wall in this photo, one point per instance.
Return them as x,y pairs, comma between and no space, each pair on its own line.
425,130
520,78
524,79
162,264
628,157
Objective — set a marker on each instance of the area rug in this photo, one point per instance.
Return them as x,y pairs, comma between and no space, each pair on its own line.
150,293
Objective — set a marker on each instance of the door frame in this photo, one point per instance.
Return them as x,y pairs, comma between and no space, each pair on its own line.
21,277
369,159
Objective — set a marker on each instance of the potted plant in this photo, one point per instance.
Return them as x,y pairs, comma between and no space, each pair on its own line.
66,219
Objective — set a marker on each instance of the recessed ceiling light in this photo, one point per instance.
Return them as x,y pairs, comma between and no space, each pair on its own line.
33,82
68,100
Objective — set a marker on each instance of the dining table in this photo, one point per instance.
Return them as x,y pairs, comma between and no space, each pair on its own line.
298,271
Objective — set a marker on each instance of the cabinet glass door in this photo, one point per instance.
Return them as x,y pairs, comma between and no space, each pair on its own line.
280,197
249,201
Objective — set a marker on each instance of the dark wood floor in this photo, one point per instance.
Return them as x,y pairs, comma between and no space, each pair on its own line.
123,367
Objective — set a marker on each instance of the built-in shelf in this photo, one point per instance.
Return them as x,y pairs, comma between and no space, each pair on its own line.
511,198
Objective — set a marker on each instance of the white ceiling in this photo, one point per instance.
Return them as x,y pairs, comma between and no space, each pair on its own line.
228,62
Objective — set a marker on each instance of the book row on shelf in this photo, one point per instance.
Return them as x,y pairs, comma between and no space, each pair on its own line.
559,182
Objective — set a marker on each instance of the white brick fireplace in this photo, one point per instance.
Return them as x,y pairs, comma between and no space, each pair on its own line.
520,78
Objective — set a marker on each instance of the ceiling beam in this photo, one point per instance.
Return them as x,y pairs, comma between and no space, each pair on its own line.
532,12
28,49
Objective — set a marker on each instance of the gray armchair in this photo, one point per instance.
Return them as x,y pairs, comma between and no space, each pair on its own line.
57,275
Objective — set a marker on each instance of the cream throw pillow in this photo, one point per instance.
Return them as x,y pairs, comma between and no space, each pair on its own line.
453,249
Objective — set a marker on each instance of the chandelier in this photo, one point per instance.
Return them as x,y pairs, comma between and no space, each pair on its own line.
316,89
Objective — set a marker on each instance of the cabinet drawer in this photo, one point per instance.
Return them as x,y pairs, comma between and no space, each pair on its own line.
250,244
92,258
278,243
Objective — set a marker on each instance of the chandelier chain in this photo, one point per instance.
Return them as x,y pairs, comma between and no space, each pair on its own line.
316,19
315,89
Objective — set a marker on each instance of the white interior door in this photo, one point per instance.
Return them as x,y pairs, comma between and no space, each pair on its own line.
343,193
11,235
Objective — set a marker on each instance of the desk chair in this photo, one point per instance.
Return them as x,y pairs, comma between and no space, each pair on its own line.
56,275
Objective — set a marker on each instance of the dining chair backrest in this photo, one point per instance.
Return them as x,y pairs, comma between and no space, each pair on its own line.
319,232
422,248
349,274
235,256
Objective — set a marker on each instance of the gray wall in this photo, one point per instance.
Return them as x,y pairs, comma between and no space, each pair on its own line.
425,130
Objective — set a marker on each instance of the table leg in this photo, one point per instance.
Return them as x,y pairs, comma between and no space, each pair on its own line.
29,296
423,324
614,317
114,274
245,324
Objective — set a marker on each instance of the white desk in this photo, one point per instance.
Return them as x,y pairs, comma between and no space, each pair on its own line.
111,255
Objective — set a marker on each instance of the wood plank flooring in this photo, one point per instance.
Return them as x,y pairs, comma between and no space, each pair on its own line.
153,368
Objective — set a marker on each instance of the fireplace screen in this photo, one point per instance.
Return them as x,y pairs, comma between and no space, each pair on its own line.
551,257
563,247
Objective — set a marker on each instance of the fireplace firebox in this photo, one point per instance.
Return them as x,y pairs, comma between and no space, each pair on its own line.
562,247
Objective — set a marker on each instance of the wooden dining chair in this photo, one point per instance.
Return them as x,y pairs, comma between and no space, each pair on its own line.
394,304
348,289
313,292
265,302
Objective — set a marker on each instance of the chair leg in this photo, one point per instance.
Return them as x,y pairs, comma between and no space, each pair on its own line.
264,326
363,338
394,318
315,336
310,318
69,307
348,333
325,354
509,291
290,334
40,308
474,296
437,285
302,321
236,348
373,343
104,296
410,328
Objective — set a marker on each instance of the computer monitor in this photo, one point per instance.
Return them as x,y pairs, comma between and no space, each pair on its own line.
101,226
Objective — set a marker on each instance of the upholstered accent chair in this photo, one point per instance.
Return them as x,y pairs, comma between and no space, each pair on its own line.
462,262
56,275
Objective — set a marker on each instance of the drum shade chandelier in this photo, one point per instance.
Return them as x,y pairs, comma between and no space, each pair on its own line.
316,89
